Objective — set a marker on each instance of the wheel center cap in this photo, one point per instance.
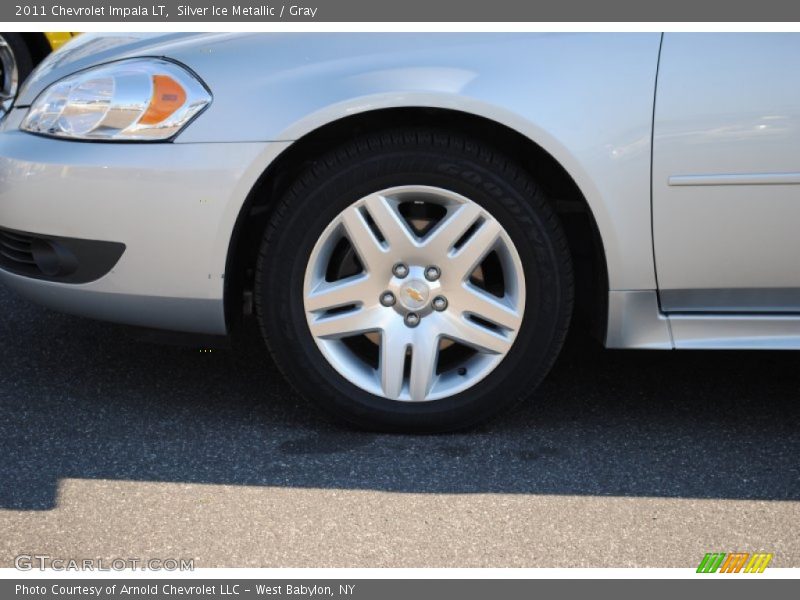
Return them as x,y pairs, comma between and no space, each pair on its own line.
414,294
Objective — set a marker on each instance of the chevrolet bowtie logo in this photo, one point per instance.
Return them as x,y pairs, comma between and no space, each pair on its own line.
414,294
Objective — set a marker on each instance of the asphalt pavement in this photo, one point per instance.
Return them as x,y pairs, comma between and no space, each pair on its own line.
111,447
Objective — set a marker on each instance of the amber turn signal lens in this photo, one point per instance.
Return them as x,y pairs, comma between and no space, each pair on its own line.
168,96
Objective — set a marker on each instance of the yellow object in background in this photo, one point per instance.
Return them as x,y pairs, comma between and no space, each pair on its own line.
56,39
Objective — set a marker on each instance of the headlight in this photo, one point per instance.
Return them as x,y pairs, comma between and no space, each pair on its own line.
137,99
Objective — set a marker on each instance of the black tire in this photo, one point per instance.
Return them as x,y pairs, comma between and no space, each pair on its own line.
422,157
22,55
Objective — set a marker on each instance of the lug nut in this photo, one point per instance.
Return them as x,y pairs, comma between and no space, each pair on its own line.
388,299
412,319
439,303
400,270
432,273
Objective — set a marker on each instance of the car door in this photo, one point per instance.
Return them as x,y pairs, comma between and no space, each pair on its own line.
726,173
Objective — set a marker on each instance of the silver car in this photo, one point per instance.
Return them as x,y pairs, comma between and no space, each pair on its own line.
415,219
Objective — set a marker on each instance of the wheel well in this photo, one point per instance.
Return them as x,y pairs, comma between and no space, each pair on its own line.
586,246
37,45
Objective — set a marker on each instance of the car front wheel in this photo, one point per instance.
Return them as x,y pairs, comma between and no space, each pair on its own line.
414,281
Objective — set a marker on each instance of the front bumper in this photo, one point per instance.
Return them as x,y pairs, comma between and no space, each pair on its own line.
173,206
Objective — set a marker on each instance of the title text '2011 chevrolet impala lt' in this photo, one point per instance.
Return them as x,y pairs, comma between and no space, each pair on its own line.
417,217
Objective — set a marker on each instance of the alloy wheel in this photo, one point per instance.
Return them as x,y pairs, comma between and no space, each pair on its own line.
414,293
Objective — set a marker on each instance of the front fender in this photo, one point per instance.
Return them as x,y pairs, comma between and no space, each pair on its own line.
587,99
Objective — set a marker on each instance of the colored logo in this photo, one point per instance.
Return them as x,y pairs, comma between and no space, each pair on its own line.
414,294
734,562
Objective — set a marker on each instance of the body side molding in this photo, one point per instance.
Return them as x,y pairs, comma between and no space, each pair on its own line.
735,179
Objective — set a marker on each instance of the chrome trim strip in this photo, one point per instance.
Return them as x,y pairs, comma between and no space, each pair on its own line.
735,179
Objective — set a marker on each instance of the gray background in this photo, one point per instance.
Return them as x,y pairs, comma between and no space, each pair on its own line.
390,589
456,10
